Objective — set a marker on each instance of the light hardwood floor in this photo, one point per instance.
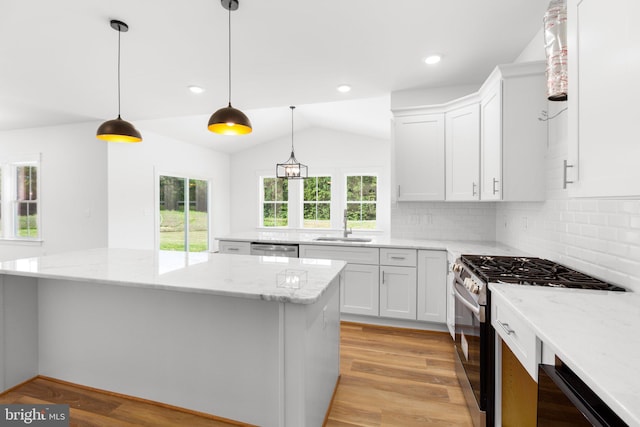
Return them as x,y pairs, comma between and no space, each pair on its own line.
389,377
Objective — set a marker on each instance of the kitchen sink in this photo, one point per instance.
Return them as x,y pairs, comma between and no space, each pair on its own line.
343,239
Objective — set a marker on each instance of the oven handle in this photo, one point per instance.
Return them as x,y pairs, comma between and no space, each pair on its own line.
475,309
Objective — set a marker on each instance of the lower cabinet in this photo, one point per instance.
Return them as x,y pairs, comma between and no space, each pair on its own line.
359,290
399,283
432,286
398,292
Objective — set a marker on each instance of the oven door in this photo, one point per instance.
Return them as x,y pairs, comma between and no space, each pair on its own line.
472,347
563,399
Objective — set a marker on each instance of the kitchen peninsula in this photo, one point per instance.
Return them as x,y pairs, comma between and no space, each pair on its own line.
221,334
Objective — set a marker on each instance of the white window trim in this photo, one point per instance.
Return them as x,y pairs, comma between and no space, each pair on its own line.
345,176
156,204
333,212
293,193
8,166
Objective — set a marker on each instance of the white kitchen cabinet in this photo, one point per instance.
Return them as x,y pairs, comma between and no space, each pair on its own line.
463,153
432,286
603,40
450,298
359,293
233,247
398,292
419,157
359,287
512,139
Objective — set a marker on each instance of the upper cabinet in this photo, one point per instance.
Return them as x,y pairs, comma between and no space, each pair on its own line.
463,153
604,146
512,139
419,155
488,145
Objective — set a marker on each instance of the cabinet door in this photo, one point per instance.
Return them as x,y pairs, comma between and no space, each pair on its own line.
359,293
432,286
419,157
231,247
491,143
450,298
398,292
463,153
604,66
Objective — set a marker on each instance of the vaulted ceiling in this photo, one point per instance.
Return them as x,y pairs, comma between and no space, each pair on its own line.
59,60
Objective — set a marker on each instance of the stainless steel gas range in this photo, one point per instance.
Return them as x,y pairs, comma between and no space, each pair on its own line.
475,338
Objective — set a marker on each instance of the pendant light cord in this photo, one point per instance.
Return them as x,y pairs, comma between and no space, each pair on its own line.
292,107
119,33
229,53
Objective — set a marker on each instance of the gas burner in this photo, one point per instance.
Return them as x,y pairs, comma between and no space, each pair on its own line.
532,272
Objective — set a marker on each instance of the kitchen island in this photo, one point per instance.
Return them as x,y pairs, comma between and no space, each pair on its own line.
247,338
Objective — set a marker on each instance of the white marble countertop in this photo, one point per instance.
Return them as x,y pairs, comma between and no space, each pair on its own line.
456,247
242,276
594,332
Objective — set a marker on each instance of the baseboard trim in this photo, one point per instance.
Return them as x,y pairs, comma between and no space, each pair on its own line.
9,390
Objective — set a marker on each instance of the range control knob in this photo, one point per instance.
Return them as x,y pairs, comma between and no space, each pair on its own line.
471,285
456,268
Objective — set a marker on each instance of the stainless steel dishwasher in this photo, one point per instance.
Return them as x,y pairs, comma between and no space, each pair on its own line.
274,249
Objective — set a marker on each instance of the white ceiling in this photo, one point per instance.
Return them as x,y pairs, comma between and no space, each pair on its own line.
59,60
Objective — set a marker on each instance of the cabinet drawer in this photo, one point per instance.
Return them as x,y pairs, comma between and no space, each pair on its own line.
231,247
400,257
516,334
348,254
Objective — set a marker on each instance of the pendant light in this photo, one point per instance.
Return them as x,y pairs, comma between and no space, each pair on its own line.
118,130
228,120
292,168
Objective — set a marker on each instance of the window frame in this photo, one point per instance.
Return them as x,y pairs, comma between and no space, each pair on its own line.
187,179
376,203
262,203
330,202
9,220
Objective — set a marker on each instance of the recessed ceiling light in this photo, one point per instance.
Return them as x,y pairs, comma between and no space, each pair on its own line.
344,88
432,59
196,89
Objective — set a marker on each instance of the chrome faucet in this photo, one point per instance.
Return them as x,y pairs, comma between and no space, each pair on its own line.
346,231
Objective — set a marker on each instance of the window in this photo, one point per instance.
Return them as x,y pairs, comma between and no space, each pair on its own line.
317,202
362,196
275,202
19,199
184,214
26,201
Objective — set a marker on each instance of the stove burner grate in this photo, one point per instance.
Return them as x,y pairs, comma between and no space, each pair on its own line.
532,271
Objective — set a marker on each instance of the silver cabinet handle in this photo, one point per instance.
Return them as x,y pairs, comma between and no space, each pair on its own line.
495,181
506,327
398,257
398,191
383,277
564,174
473,188
233,249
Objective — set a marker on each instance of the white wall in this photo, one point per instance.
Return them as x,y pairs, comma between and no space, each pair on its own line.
132,172
73,180
325,151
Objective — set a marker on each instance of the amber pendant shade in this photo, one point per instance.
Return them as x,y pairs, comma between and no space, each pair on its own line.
118,130
229,121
